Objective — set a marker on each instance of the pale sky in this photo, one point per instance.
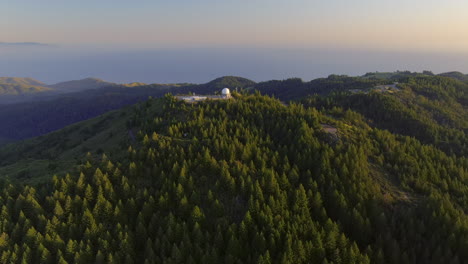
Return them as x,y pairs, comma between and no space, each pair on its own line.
199,40
426,25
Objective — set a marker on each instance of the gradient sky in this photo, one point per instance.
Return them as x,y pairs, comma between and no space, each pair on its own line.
199,40
428,25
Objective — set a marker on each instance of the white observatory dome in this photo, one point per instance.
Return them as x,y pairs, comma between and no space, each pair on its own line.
225,91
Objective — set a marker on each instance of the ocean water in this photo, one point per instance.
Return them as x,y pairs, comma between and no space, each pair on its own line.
52,64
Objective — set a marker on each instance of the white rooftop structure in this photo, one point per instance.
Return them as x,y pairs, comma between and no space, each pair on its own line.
193,98
226,93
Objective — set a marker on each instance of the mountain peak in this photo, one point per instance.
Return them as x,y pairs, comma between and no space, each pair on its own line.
93,79
231,81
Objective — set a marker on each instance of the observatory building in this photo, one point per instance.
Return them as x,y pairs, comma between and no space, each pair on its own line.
225,94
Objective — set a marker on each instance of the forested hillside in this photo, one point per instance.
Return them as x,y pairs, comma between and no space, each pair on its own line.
456,75
432,109
247,180
295,88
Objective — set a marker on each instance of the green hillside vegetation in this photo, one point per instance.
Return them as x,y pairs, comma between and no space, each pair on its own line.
456,75
248,180
295,88
431,109
396,76
405,74
230,81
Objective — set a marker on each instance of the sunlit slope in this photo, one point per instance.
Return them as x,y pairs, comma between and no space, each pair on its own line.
21,86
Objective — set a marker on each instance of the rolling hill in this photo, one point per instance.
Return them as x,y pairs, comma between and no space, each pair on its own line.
81,85
21,81
456,75
10,86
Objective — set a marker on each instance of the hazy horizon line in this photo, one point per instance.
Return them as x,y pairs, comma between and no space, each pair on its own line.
236,76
